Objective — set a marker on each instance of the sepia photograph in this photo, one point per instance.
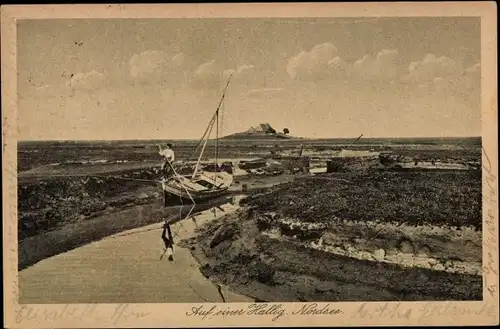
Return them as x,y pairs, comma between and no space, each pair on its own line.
262,160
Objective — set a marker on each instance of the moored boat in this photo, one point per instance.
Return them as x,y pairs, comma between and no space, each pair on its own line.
201,184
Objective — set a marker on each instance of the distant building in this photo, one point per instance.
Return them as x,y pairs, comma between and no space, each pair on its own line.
251,130
262,128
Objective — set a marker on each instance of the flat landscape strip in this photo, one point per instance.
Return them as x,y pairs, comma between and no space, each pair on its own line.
450,199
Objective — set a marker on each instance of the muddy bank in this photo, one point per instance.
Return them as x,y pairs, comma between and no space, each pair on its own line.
235,252
448,244
352,236
54,202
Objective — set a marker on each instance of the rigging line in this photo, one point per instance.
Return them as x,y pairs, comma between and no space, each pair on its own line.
208,130
139,231
109,177
187,191
190,211
216,114
202,151
182,205
133,179
217,142
180,218
203,139
132,233
222,116
176,233
217,149
181,226
180,209
177,175
221,107
178,230
179,222
196,149
210,125
217,118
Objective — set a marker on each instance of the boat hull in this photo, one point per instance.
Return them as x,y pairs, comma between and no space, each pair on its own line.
207,185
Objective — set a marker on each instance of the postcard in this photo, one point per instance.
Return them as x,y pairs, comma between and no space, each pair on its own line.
270,164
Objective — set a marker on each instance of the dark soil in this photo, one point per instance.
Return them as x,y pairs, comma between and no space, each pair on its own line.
442,198
51,203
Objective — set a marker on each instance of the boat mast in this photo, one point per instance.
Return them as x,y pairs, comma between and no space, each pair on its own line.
214,119
203,148
217,144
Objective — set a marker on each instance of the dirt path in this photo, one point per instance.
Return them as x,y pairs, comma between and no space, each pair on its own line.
125,268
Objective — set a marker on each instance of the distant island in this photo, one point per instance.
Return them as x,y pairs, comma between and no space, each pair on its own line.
261,131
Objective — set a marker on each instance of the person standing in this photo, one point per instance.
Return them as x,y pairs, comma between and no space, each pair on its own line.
169,157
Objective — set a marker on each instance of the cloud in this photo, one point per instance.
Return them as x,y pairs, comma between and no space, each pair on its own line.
208,76
440,84
445,76
211,75
461,84
471,78
475,69
323,62
154,66
244,76
338,66
243,71
383,66
312,65
431,67
264,92
87,80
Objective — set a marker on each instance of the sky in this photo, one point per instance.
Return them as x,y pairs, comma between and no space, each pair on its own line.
320,78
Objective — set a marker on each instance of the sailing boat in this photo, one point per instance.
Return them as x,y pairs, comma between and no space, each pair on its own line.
201,184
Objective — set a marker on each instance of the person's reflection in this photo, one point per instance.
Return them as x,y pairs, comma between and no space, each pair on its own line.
168,241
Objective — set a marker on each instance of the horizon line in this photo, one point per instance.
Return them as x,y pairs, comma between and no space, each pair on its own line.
195,139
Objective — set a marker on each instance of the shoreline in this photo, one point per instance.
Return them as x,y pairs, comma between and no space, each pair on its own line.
271,270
